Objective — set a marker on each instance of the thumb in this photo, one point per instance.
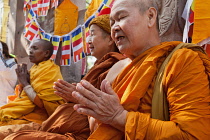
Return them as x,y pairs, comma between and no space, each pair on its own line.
108,88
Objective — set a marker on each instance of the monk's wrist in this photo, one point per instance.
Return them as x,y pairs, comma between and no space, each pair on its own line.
120,121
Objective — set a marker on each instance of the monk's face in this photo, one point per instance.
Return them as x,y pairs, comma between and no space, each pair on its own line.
129,28
98,41
37,53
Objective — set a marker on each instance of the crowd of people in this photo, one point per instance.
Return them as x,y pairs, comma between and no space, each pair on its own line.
139,87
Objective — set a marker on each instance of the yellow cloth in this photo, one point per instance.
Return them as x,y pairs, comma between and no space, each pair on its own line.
94,5
201,28
66,17
186,85
42,77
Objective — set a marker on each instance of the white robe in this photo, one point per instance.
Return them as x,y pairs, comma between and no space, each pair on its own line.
8,77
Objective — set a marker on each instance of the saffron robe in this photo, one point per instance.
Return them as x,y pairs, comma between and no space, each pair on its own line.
186,84
65,122
22,109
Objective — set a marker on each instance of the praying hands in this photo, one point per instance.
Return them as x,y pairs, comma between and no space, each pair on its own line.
102,105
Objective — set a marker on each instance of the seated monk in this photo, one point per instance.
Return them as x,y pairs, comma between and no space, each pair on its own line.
65,123
37,101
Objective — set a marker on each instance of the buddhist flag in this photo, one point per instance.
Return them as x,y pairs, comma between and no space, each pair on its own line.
109,2
55,42
47,36
104,10
32,31
54,3
87,34
66,51
31,16
188,15
25,6
34,5
41,33
43,7
100,8
77,44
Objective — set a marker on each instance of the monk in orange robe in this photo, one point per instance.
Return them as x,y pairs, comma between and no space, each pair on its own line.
37,101
178,72
66,123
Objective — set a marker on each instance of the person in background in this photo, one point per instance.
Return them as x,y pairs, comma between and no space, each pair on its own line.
37,101
8,77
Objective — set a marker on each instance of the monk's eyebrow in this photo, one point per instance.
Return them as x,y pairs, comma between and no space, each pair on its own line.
115,15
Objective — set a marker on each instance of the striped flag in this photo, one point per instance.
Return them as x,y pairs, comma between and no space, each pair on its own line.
100,8
66,51
77,44
104,10
43,7
25,6
47,36
87,34
41,33
54,3
188,15
32,31
34,6
55,42
29,19
109,2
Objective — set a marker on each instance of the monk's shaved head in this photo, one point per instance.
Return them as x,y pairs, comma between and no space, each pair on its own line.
46,45
144,5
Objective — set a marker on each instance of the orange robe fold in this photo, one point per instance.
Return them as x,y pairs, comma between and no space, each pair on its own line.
22,109
186,83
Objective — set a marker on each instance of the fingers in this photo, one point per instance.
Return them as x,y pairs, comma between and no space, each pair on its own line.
62,82
84,110
108,88
64,87
89,87
103,83
62,96
84,101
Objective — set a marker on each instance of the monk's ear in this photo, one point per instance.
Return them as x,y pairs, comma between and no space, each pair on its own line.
47,53
111,41
152,17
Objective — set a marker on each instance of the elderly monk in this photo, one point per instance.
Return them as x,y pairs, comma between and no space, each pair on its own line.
65,123
125,109
37,101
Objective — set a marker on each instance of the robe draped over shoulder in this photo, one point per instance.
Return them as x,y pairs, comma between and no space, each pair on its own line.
186,84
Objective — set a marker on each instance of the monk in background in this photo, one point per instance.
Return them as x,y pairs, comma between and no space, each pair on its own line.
162,94
37,101
65,123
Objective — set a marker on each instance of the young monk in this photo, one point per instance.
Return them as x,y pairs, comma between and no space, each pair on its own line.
37,101
65,123
131,108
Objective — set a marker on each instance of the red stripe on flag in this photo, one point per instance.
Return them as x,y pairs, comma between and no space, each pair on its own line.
77,42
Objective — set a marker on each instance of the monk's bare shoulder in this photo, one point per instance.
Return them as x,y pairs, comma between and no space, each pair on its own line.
116,69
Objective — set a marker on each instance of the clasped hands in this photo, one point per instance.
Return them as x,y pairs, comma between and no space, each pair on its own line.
103,105
23,74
